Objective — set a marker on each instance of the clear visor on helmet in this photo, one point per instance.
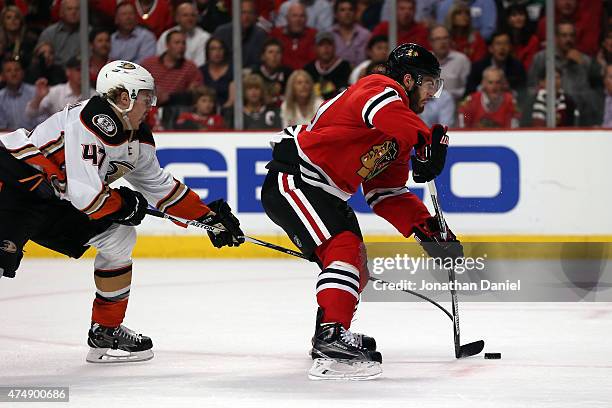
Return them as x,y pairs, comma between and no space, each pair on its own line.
147,96
433,86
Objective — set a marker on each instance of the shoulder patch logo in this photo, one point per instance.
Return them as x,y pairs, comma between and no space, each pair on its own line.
105,124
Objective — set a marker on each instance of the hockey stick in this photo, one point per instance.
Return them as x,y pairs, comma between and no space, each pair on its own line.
210,228
185,222
469,349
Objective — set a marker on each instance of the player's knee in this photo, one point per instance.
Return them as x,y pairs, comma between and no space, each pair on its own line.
127,240
348,248
10,258
121,244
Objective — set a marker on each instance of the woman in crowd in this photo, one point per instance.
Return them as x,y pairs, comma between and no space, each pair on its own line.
301,103
258,113
217,71
18,43
525,43
464,38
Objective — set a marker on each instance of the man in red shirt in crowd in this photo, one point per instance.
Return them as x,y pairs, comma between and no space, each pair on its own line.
586,19
297,39
491,107
408,30
174,75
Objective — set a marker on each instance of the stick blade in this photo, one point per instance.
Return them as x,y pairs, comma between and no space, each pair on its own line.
471,349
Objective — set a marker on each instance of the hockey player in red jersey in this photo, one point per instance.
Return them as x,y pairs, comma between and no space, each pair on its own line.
55,190
362,137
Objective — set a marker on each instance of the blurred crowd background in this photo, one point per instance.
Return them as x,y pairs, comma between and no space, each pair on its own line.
297,53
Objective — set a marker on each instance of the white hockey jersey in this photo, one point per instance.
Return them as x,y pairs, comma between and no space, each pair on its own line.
88,143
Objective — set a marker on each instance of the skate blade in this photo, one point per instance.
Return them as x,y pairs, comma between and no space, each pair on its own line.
331,369
107,355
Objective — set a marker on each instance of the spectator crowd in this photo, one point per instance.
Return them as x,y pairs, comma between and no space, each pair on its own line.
298,53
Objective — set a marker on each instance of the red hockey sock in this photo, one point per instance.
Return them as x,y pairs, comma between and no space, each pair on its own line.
338,306
343,258
107,313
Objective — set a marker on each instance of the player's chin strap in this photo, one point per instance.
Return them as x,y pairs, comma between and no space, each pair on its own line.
123,112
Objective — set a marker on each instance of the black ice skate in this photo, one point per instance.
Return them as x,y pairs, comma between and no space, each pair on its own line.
117,345
362,340
339,356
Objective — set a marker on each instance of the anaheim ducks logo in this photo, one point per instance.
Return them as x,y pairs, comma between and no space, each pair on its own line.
377,159
117,169
8,246
126,65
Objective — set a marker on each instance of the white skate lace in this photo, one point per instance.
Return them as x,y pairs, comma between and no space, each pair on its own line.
349,337
127,333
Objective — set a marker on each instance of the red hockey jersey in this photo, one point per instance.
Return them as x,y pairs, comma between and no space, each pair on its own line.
473,112
364,136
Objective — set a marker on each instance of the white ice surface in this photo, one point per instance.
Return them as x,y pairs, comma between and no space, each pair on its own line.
236,333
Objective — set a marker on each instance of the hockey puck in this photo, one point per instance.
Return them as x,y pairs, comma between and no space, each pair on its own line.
492,356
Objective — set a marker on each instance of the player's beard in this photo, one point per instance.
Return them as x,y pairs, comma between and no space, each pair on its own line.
414,100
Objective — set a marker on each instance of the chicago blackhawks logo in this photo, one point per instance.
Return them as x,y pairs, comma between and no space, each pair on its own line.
377,159
105,124
412,53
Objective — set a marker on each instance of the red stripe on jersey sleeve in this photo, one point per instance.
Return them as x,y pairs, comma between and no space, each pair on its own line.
49,167
189,207
58,157
112,204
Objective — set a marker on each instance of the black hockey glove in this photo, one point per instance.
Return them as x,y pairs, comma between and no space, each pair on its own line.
133,209
221,217
428,160
429,236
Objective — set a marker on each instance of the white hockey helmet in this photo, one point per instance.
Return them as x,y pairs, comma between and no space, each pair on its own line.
128,75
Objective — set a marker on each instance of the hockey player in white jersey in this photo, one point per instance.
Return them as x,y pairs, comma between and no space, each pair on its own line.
55,190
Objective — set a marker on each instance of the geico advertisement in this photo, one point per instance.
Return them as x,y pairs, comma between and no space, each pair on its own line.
495,182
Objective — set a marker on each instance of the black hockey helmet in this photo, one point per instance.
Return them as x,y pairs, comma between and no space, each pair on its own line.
412,59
